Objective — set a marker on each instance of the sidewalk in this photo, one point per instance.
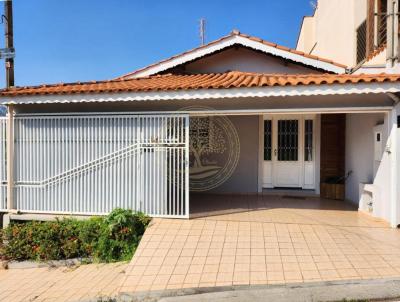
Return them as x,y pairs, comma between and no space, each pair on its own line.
61,284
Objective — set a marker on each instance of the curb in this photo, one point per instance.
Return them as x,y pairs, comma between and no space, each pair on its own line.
313,291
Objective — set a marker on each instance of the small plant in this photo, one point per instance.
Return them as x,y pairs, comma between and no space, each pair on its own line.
105,239
120,235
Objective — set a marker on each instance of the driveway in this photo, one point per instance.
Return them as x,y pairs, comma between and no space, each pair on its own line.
248,240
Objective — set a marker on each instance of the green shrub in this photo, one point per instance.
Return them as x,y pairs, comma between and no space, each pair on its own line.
105,239
120,235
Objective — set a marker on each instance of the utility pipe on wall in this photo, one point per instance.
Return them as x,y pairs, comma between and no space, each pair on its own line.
392,36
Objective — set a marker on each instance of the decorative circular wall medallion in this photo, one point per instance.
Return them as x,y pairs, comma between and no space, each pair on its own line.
214,150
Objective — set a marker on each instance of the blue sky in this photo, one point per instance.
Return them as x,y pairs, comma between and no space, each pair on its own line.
80,40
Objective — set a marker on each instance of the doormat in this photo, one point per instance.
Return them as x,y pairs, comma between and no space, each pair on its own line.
294,197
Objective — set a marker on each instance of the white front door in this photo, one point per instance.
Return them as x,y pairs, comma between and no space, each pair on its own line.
289,152
287,163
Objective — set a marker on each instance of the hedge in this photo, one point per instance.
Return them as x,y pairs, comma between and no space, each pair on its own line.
104,239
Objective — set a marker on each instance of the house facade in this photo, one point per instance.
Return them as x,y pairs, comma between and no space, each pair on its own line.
239,115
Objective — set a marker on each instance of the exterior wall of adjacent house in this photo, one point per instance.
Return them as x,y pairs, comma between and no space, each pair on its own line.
330,33
396,169
245,60
376,64
380,169
360,156
306,39
339,19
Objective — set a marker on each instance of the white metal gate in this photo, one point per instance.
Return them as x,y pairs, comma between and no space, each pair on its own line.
93,164
3,164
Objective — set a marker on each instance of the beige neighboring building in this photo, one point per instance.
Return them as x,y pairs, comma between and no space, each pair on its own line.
358,33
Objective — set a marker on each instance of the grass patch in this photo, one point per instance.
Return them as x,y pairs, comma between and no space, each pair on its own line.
104,239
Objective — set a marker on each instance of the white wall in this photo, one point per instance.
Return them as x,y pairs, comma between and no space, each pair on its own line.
360,160
396,169
246,60
332,30
306,40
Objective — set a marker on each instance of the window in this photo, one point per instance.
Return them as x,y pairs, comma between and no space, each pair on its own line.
372,33
362,42
308,140
267,139
381,19
288,140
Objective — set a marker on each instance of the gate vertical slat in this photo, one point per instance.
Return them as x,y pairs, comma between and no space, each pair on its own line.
3,162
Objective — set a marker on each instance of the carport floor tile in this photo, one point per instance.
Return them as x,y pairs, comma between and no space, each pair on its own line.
300,241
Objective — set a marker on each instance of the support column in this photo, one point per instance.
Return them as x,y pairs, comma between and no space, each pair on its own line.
260,152
396,32
394,169
10,158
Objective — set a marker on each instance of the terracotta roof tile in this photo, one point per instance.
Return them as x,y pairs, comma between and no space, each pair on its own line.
169,82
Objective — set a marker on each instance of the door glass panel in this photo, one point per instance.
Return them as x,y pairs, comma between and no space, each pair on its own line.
267,140
308,140
288,140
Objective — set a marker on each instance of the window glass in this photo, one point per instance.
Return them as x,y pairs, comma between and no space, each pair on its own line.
288,140
308,140
267,139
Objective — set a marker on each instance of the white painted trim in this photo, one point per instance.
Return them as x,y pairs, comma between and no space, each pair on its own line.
10,157
260,153
230,41
380,109
187,166
316,143
202,94
300,162
392,117
317,135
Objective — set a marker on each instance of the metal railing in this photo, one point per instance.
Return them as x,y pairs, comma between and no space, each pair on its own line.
382,29
361,42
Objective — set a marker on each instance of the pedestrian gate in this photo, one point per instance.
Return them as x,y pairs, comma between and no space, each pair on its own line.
93,164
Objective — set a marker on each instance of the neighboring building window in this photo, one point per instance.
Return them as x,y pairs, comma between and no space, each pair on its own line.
288,140
382,23
267,139
362,42
372,33
308,140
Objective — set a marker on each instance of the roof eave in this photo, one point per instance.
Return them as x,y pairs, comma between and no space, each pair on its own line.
202,94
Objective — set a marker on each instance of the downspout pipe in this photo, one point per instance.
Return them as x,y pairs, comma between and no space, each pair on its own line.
392,53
